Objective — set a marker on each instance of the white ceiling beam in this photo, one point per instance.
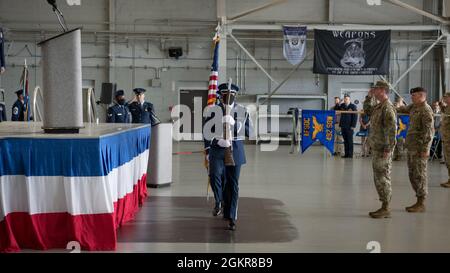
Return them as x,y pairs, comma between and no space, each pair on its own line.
331,10
253,10
252,58
419,11
221,9
339,27
418,60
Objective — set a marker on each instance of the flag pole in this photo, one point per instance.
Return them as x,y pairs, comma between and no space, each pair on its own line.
26,92
212,89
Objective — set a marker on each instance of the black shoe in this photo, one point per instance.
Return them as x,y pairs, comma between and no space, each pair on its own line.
217,211
232,225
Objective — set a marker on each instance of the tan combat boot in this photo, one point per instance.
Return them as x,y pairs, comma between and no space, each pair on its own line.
419,206
383,212
446,185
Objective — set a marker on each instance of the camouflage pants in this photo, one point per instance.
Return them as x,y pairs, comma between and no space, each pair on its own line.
398,151
446,148
417,169
382,175
338,142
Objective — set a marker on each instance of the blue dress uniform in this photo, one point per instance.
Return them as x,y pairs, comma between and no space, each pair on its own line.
18,108
347,122
2,112
142,113
118,113
2,49
226,190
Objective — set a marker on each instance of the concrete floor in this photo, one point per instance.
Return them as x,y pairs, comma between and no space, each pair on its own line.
290,203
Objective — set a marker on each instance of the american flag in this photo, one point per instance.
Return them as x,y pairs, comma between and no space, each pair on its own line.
214,76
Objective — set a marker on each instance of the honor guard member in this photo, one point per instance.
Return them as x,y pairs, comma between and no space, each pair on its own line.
119,113
141,110
382,135
2,112
445,133
418,142
225,179
19,108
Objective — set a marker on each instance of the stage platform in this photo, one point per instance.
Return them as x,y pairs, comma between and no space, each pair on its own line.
91,130
57,189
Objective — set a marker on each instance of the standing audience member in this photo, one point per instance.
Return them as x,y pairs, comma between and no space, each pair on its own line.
364,120
445,133
436,145
348,124
338,146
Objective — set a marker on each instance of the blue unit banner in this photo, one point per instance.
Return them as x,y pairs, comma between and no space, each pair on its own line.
402,126
318,125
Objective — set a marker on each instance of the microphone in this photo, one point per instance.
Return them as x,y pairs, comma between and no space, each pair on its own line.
59,15
52,3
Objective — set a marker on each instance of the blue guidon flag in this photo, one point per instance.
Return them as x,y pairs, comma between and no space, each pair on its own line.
402,126
318,125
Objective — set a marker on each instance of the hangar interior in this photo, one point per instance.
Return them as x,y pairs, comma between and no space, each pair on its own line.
288,202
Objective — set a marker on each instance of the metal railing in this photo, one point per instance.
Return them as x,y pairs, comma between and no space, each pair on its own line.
91,110
36,109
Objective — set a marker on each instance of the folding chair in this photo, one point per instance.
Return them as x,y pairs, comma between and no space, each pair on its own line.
361,134
434,148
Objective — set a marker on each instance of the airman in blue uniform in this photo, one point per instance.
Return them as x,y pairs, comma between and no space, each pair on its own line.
2,52
225,179
119,113
141,110
19,108
2,112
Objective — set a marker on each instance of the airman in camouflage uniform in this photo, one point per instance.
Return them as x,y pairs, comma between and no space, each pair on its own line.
382,133
445,133
418,143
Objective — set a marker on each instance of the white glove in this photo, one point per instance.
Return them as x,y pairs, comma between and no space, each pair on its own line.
2,70
224,143
207,157
228,119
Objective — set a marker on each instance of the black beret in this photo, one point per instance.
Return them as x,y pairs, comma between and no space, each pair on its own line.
417,89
